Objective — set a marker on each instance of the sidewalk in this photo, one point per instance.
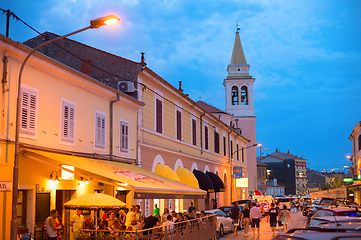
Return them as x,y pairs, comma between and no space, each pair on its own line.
266,233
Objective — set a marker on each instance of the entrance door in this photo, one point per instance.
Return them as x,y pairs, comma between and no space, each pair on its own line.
63,196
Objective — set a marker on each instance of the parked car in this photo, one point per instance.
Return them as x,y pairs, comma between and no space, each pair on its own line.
224,223
245,201
316,235
317,220
338,211
312,211
307,208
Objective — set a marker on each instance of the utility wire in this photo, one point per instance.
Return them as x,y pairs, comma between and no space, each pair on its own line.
143,85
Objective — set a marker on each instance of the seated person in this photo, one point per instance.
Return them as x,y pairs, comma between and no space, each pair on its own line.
134,225
111,219
168,225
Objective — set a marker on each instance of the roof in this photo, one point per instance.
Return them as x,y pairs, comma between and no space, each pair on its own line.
211,108
238,57
286,155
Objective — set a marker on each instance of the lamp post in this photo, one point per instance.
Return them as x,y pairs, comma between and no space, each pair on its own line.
96,23
231,160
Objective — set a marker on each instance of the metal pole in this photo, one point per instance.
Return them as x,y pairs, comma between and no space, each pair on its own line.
14,220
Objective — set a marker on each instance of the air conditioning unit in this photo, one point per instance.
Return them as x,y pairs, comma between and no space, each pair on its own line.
126,86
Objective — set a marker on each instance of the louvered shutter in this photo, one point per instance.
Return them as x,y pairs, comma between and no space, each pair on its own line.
179,125
206,137
232,149
28,111
100,131
159,116
237,152
224,146
68,122
124,136
194,132
216,142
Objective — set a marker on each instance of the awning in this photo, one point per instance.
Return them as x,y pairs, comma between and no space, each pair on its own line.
145,184
217,182
204,181
94,201
187,177
258,193
167,172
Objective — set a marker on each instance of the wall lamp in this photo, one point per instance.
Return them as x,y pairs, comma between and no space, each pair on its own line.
55,177
85,180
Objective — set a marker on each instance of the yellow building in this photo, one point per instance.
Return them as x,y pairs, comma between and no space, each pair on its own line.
72,128
177,136
178,132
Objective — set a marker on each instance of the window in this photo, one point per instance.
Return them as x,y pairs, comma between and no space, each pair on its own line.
179,125
232,149
244,95
216,142
224,146
237,152
28,111
100,131
68,122
359,142
234,95
124,136
206,137
194,132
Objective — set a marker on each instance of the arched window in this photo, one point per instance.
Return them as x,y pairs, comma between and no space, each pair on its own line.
244,95
235,95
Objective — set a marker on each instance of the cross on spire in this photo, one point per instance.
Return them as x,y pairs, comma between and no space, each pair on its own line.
237,27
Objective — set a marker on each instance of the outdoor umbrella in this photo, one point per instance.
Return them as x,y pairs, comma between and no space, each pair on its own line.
94,201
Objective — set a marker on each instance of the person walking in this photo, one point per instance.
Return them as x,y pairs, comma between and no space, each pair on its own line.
256,217
285,216
245,219
50,225
76,222
235,215
272,217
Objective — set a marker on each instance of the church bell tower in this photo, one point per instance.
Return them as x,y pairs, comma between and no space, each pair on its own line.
239,103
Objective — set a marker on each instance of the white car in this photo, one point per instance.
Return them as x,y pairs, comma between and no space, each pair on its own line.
224,223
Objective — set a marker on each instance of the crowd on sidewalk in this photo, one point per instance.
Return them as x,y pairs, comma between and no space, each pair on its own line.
253,217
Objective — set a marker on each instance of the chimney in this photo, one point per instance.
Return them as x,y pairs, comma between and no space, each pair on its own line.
276,149
180,86
86,66
142,62
288,151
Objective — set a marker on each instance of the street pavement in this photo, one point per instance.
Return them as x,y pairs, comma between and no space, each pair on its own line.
299,221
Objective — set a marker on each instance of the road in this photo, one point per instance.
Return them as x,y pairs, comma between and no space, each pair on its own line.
265,229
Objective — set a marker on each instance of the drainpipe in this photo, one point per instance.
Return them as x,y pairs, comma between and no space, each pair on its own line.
111,127
230,160
204,113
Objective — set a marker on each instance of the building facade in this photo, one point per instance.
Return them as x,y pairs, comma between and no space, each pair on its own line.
174,131
355,158
261,176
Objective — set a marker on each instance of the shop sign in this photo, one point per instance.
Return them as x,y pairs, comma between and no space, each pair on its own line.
5,186
242,182
347,180
65,175
237,172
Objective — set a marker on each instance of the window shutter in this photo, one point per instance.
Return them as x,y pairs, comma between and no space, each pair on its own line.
100,131
124,136
28,111
159,116
194,132
206,137
179,125
216,142
224,146
68,122
237,152
231,149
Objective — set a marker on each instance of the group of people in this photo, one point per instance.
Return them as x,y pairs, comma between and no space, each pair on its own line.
246,216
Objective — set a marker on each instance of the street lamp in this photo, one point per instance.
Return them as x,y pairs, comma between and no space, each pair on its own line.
96,23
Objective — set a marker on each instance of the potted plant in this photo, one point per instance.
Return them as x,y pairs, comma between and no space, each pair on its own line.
22,229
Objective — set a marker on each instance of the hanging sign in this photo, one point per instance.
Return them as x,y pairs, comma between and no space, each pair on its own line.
237,172
5,186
